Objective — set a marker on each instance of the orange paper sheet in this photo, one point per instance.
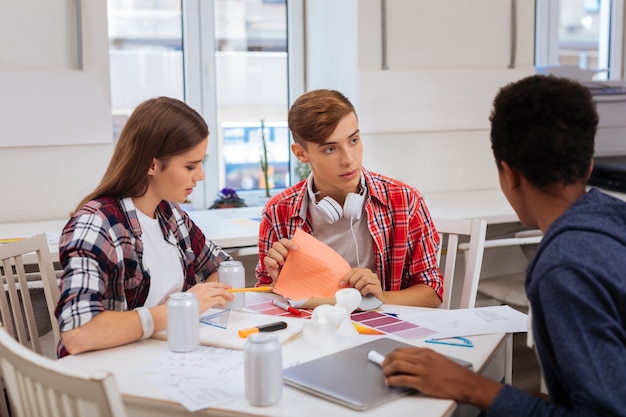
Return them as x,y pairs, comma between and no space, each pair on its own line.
312,270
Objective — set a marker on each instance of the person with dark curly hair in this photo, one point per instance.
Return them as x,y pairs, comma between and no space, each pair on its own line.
542,136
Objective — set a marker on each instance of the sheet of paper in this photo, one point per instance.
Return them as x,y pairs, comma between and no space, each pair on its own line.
203,378
312,270
466,322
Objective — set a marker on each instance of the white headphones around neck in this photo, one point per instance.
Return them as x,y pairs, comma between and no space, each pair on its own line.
352,206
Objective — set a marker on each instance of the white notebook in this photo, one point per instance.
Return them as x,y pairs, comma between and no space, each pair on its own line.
214,335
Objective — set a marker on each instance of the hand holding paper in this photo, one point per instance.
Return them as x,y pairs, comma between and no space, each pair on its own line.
313,270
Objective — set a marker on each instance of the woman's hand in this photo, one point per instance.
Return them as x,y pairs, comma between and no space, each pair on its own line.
210,294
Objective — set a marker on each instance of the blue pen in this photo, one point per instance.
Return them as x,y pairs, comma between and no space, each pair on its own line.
463,342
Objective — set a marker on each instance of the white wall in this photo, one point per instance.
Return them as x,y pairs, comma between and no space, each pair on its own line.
55,109
424,120
332,46
430,128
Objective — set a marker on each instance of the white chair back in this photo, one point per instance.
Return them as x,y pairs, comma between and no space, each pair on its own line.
39,386
450,230
16,312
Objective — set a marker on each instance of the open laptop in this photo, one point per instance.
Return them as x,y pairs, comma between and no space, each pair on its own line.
348,378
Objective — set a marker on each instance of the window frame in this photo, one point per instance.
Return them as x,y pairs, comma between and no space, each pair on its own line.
200,83
546,36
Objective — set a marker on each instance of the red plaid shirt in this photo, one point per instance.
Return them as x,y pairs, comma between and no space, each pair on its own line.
403,234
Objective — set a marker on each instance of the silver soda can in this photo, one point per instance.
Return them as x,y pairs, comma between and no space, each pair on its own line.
233,274
183,322
263,368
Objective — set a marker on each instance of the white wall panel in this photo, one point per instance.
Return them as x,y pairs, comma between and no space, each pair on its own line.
430,100
68,97
48,182
55,114
433,161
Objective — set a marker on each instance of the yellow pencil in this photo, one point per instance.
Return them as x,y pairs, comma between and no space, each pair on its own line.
11,240
252,289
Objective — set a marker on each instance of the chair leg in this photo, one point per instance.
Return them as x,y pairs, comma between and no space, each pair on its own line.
508,371
5,407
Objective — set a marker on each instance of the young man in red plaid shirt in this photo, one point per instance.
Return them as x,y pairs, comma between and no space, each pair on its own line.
379,225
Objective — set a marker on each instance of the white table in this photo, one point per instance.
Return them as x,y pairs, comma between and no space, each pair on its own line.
489,204
490,356
232,229
237,228
52,228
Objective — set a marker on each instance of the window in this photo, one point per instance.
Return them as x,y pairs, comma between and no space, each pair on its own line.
586,34
242,164
251,73
145,53
228,59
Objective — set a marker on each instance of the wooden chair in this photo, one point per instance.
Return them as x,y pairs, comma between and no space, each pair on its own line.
16,312
39,386
450,230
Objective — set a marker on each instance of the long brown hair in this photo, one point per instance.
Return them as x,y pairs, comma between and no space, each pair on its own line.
159,128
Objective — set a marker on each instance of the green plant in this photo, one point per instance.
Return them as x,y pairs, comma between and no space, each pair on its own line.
263,159
302,170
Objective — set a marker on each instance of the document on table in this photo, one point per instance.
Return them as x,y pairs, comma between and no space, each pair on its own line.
203,378
465,322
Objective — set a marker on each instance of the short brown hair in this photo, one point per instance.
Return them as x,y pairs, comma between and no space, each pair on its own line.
314,116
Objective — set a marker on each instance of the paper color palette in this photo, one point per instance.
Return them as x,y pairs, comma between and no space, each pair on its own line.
391,325
266,307
361,329
313,270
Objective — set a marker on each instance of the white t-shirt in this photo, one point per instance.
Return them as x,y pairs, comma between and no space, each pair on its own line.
349,238
162,261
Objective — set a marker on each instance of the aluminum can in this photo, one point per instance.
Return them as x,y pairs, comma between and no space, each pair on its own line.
183,322
263,368
234,274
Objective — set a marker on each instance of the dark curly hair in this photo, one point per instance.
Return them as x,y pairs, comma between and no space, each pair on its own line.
544,127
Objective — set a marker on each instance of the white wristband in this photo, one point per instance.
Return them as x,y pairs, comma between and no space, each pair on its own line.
147,323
